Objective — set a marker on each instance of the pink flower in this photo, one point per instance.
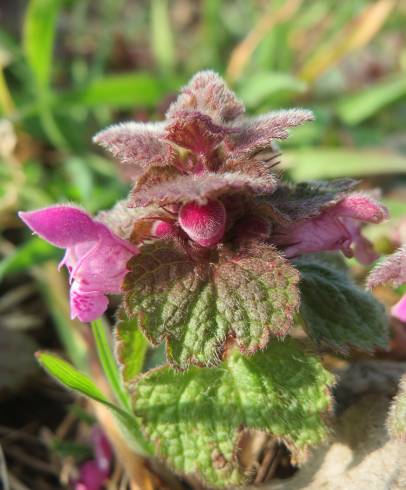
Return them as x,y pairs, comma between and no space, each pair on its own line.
95,472
95,257
335,228
399,309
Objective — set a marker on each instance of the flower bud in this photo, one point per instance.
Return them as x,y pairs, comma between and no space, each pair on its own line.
204,224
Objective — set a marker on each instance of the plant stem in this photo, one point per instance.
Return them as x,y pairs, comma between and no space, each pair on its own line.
108,363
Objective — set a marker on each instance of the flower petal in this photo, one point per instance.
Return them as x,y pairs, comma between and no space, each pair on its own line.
361,207
63,226
399,310
86,306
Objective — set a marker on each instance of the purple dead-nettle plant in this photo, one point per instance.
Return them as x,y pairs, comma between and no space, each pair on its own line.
218,258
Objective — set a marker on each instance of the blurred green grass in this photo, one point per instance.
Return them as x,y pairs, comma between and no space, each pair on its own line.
70,67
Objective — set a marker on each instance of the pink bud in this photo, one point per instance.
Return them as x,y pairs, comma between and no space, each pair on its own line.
205,223
162,229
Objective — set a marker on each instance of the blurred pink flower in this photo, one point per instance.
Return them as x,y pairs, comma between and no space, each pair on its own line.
95,472
95,257
335,228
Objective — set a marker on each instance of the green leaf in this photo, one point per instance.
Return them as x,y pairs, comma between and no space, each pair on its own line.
131,347
258,87
195,306
310,164
108,362
196,418
397,414
75,380
336,311
357,107
39,35
125,90
70,377
33,252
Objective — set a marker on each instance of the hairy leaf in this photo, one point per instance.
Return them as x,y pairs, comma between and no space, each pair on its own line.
207,93
336,311
307,199
196,418
131,346
199,188
256,134
195,306
391,269
397,414
195,131
135,143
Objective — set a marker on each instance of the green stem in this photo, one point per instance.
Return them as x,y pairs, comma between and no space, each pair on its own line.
108,363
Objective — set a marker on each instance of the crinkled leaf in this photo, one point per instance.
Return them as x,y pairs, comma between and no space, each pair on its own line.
136,143
397,414
391,269
207,93
195,131
307,199
131,346
336,311
256,134
200,188
196,418
196,306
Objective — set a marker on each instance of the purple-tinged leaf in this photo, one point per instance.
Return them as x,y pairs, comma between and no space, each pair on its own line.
256,134
208,93
196,305
195,131
391,270
136,143
200,188
294,202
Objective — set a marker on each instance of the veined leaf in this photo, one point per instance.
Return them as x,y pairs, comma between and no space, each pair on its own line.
196,418
75,380
336,311
131,347
195,306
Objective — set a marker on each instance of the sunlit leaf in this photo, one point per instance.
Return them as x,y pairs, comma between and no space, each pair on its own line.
355,108
328,163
